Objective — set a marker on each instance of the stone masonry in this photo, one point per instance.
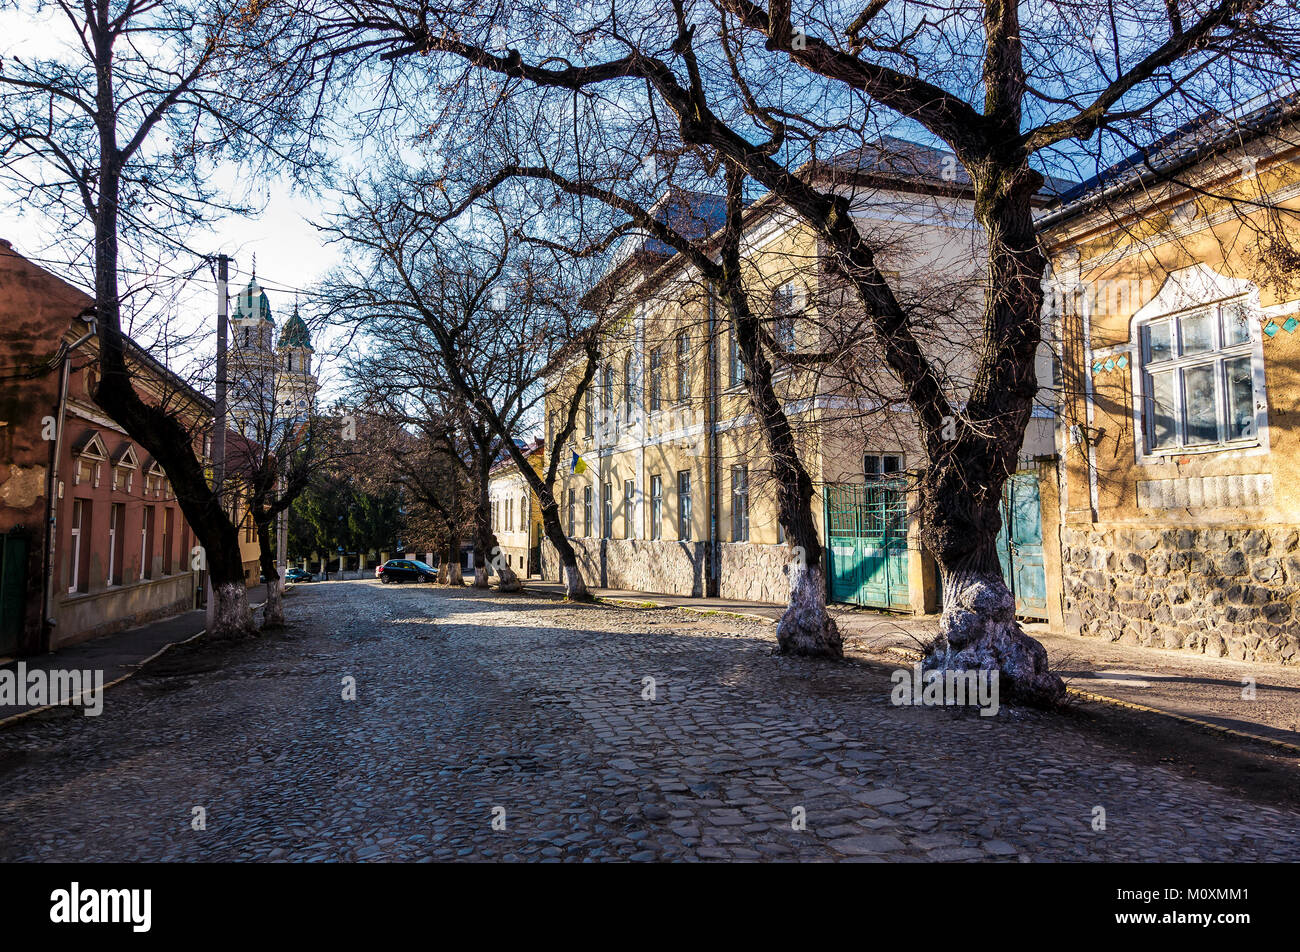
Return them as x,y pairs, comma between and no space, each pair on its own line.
747,570
1221,591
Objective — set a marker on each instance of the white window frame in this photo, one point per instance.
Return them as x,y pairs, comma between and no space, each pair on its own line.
74,523
656,506
685,508
112,541
740,503
1186,292
881,472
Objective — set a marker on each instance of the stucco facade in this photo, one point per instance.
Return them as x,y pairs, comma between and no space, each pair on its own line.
669,488
105,545
1179,505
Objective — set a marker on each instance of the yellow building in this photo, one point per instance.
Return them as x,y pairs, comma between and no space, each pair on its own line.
516,515
1174,290
665,486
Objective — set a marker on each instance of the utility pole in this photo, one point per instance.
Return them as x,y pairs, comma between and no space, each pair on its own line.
219,419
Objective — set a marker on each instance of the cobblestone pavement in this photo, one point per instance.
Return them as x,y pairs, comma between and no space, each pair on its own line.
472,705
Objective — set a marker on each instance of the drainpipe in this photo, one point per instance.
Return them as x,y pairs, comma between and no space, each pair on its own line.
711,434
63,357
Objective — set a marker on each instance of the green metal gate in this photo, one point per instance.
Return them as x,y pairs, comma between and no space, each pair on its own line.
1020,544
13,591
866,544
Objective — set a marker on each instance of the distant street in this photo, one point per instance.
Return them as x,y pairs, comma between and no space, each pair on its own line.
476,710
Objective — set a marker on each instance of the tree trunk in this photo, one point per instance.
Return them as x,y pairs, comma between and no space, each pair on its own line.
231,616
806,627
160,432
979,631
455,575
273,610
574,586
962,487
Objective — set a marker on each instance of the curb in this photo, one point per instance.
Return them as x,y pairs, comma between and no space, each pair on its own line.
647,603
1147,709
139,666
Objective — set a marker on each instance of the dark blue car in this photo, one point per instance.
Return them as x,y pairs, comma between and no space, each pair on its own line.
406,570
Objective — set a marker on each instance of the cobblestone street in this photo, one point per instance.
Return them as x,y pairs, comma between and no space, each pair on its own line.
472,705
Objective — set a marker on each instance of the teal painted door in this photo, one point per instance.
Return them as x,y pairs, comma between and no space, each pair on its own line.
866,544
1020,545
13,591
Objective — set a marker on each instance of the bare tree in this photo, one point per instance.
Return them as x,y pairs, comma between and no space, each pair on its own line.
1014,94
116,139
497,314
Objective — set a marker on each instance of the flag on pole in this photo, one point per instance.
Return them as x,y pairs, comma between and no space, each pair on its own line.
579,465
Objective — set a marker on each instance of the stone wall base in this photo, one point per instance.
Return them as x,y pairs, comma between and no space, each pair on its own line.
1223,591
755,573
748,571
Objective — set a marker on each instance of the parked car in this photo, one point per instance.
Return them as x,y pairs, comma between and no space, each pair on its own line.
299,575
405,570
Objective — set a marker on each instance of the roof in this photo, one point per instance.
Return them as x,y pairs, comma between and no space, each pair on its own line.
914,163
506,461
295,333
252,303
1209,133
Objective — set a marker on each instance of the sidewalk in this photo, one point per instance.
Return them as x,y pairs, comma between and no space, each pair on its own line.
1197,688
119,655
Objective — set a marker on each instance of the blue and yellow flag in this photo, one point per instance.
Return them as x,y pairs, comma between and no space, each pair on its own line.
579,465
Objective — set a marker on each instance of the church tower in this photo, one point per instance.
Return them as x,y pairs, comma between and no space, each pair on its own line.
295,384
252,361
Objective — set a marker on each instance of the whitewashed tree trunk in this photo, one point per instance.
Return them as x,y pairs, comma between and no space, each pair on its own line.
507,580
273,610
455,575
574,586
231,617
481,576
806,627
979,632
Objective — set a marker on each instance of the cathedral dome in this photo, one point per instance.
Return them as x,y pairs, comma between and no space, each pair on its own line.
295,333
252,304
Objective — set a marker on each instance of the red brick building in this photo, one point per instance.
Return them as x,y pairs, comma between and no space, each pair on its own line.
93,537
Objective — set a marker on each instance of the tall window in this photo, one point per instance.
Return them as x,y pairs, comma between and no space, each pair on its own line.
116,538
570,513
684,505
589,417
785,306
75,577
737,373
683,368
629,387
1198,378
607,502
607,389
656,367
629,503
169,527
587,527
656,506
740,504
146,543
